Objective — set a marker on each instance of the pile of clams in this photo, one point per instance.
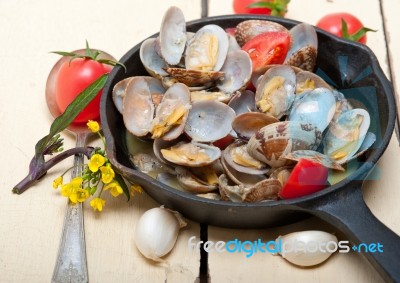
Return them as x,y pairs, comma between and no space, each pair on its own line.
213,136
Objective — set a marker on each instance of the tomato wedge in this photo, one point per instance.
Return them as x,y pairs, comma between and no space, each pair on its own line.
267,48
307,177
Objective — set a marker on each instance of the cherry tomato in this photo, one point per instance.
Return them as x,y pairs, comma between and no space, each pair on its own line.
355,29
267,7
267,48
224,142
307,177
73,77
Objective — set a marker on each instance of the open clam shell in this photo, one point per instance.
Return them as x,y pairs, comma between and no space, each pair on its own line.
315,157
194,78
303,52
191,183
172,113
307,81
191,154
247,124
207,50
238,158
237,71
209,121
173,35
346,134
240,178
152,62
271,143
243,102
118,93
267,189
275,91
203,95
138,107
316,106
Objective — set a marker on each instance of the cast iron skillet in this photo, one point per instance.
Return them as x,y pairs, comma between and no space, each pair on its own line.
350,67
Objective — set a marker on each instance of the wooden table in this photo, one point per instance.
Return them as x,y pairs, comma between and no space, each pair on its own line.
30,224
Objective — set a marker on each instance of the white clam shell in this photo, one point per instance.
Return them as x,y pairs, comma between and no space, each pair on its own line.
151,61
197,52
340,132
317,106
138,107
209,121
173,35
237,71
281,98
118,93
307,248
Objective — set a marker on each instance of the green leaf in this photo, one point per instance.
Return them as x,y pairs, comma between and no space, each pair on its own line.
355,36
278,7
123,185
70,113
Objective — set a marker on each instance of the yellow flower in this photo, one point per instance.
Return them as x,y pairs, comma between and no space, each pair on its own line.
96,161
58,182
97,204
136,188
93,126
72,190
107,174
115,189
79,195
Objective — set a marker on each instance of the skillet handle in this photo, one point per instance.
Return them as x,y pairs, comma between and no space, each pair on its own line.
347,211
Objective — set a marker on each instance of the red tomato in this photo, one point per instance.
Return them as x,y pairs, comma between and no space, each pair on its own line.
224,142
276,7
267,48
73,77
231,31
306,178
333,24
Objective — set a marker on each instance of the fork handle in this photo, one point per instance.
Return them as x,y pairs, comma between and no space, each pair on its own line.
71,264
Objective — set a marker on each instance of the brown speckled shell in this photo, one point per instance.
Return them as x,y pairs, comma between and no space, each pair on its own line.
248,29
193,77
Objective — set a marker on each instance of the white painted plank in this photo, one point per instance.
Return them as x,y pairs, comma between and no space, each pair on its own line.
30,224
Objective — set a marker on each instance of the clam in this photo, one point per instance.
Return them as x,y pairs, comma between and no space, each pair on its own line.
275,91
316,106
281,174
209,121
138,107
207,50
173,35
172,113
237,157
271,143
246,30
152,62
303,52
315,157
240,178
118,93
203,95
212,196
191,183
247,124
237,71
346,134
267,189
307,81
233,45
243,102
149,164
191,154
194,78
